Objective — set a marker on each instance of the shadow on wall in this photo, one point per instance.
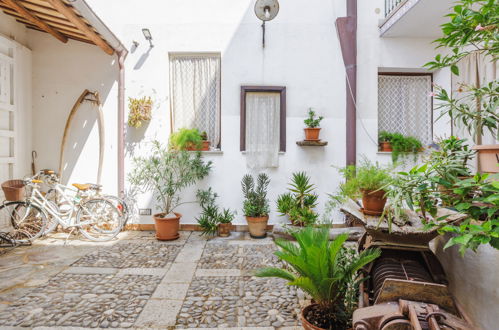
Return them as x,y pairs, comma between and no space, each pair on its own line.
61,72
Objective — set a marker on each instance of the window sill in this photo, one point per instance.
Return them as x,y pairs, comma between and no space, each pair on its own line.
280,152
384,152
212,152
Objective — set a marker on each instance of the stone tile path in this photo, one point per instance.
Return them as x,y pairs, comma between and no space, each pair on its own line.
140,283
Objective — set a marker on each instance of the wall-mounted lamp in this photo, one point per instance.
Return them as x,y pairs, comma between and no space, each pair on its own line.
148,36
266,10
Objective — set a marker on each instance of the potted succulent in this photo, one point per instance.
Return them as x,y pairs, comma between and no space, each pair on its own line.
324,269
472,29
190,140
385,143
298,204
212,219
366,181
167,173
256,205
312,130
140,110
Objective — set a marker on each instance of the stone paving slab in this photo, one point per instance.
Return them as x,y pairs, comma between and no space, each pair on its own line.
138,282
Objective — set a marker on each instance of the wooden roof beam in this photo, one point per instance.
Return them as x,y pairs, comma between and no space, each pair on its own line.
39,23
78,22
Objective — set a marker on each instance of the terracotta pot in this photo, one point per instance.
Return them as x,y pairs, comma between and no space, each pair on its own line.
166,228
205,146
386,146
373,201
257,226
488,157
312,134
224,229
307,325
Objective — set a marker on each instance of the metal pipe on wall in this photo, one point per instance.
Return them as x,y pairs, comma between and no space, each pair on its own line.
121,122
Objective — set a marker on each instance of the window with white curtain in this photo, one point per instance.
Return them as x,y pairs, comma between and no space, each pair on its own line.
195,93
263,125
405,106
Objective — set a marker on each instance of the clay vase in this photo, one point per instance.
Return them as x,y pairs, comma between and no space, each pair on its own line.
257,226
224,229
312,134
166,228
386,146
307,325
373,202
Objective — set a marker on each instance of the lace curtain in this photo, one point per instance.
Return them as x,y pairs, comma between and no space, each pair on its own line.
262,129
405,107
477,70
195,93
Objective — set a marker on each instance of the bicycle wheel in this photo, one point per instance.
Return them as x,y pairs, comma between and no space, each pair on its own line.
27,221
98,219
121,205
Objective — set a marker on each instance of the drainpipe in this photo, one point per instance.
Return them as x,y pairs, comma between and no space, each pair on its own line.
121,122
346,28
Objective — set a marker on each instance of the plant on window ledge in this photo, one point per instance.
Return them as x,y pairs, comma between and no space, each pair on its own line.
189,139
385,141
212,219
400,144
312,122
140,111
299,203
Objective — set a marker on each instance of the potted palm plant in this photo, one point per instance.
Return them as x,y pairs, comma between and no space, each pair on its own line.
167,173
299,203
324,269
312,130
212,219
256,205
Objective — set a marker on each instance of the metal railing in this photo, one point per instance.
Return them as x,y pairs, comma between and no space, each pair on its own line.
391,5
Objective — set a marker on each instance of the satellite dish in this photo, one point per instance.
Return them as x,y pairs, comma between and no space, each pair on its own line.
266,10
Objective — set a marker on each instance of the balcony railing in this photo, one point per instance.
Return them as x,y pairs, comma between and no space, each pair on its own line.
391,6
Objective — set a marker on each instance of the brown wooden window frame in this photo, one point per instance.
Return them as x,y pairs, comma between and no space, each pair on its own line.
282,117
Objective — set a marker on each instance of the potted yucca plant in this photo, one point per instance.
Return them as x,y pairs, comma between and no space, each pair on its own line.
213,220
326,270
256,205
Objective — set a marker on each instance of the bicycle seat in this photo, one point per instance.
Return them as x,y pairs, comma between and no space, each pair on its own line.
82,187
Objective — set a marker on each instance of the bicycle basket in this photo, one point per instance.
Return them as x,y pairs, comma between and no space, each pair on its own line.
13,190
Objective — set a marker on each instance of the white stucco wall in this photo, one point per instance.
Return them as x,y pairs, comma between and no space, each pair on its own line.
302,53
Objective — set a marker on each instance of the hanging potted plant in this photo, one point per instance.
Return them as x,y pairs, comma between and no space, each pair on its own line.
167,173
212,219
404,145
473,29
327,271
385,141
299,203
140,111
190,140
256,205
312,130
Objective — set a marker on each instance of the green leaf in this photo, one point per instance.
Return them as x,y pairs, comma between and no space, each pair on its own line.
454,69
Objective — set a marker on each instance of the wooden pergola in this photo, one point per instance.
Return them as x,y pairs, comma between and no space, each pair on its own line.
56,17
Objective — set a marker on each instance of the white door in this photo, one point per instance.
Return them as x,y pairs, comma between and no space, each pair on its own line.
7,110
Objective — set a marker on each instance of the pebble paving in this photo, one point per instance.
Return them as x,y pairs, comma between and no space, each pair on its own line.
136,284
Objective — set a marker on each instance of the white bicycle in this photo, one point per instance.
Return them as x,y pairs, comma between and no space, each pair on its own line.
96,218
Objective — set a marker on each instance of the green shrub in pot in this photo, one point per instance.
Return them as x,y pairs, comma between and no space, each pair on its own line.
324,269
212,218
186,139
166,173
256,204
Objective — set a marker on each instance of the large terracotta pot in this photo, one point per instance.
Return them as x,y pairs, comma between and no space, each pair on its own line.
488,157
373,202
307,325
166,228
205,146
312,134
224,229
257,226
386,146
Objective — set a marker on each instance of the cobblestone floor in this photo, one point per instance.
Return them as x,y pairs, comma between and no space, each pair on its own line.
138,282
